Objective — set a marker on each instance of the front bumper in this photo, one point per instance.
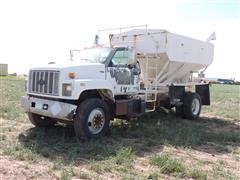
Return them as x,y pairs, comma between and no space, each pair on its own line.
49,108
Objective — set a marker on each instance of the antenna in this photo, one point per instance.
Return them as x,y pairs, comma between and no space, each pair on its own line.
96,39
212,37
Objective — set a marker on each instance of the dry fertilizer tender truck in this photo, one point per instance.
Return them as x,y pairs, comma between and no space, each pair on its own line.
139,71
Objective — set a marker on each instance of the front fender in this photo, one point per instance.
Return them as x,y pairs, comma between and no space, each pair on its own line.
91,84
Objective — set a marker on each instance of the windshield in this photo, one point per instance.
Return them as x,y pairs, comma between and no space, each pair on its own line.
94,55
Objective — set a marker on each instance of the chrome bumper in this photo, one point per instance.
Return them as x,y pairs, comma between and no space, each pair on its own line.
48,108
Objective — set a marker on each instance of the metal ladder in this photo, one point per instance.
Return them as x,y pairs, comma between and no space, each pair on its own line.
151,88
151,102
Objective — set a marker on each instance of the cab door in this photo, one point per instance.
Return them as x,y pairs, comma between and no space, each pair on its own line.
119,69
121,73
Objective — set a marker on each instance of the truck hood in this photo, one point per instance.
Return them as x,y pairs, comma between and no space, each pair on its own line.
68,64
83,70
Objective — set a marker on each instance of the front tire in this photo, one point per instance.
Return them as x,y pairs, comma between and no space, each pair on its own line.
41,121
92,119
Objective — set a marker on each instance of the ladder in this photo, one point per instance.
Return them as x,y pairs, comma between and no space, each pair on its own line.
150,102
150,89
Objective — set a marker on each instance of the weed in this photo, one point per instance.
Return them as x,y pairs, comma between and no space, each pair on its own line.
197,174
57,164
124,156
220,173
96,166
21,153
174,167
67,173
168,165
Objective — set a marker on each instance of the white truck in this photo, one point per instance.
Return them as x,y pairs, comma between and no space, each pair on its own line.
140,71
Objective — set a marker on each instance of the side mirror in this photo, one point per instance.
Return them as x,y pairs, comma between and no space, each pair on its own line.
132,56
130,66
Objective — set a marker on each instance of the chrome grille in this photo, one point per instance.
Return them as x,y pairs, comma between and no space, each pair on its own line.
44,82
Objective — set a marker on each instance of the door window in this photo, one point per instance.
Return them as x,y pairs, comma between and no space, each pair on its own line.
120,57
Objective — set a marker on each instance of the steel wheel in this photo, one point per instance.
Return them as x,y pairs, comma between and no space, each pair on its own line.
96,121
195,106
92,119
191,105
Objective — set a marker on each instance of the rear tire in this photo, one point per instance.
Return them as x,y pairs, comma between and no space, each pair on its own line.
41,121
192,106
92,119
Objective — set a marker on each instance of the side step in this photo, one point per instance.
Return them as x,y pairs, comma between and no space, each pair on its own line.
150,99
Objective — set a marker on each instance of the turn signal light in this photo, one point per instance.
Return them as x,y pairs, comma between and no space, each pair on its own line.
71,75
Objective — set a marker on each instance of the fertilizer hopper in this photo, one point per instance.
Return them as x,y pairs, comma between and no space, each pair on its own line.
166,58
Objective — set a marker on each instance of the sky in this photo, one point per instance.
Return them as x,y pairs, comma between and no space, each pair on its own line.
35,32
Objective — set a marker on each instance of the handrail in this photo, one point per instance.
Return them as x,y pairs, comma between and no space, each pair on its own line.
121,28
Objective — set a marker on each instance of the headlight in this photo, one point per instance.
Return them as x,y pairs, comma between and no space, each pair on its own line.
67,89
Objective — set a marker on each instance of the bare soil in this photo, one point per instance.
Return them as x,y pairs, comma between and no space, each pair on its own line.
204,157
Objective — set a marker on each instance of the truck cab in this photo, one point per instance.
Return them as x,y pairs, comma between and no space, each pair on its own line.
98,75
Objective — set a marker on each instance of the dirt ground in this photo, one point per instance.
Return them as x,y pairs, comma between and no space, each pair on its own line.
218,165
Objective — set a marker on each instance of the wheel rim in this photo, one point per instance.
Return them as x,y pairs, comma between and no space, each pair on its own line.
96,121
195,106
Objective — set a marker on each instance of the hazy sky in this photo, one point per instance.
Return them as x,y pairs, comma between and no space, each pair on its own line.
34,32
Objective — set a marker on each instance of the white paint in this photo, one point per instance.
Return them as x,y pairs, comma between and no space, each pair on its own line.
55,108
38,105
178,48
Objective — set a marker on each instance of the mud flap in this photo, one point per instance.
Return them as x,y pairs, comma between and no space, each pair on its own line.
204,93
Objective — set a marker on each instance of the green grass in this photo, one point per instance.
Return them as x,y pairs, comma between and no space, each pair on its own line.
129,140
197,174
124,156
67,173
11,90
225,101
21,153
168,165
220,173
121,161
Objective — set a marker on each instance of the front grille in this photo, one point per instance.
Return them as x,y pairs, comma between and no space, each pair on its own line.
44,82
